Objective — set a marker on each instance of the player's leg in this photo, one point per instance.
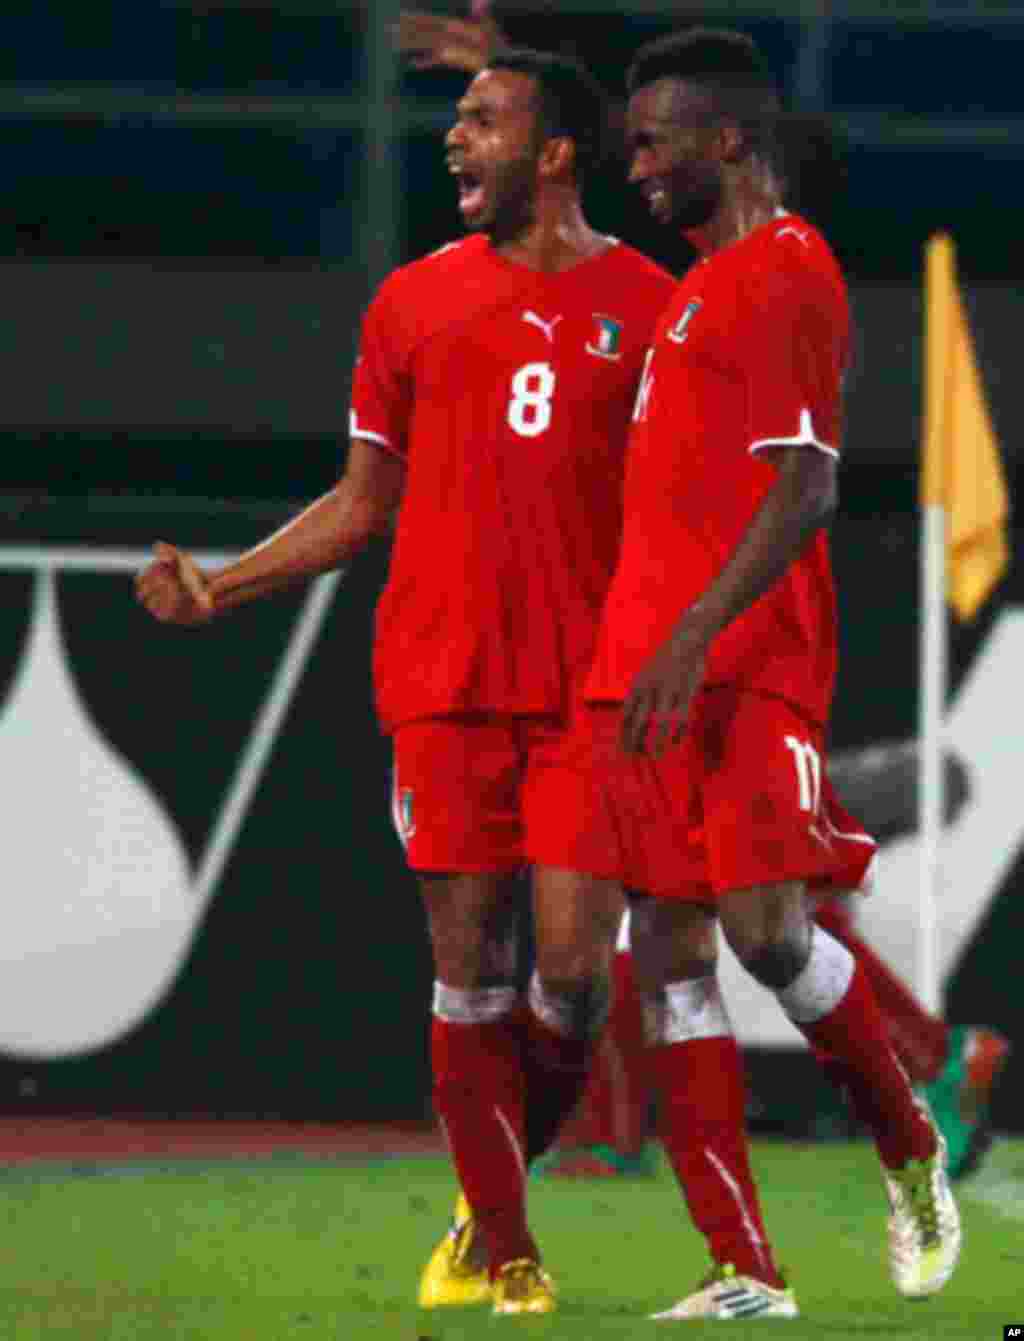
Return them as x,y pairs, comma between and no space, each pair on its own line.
919,1039
956,1068
607,1135
552,1036
582,1148
456,807
697,1073
627,1124
576,918
479,1084
767,840
693,1058
456,1272
828,997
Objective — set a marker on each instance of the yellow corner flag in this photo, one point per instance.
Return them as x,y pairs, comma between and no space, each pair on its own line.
961,468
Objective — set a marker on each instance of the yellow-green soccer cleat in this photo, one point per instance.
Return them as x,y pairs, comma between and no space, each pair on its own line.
924,1225
523,1286
456,1274
724,1295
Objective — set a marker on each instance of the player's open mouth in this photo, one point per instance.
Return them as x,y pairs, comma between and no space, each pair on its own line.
471,193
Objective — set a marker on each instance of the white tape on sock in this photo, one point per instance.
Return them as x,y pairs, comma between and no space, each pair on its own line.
690,1009
822,982
472,1005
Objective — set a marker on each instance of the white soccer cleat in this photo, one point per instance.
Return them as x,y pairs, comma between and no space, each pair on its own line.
724,1295
924,1225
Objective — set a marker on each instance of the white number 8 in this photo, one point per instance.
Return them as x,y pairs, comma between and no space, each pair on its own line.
529,410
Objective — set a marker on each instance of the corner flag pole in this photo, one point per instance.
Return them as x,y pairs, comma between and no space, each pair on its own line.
934,646
964,553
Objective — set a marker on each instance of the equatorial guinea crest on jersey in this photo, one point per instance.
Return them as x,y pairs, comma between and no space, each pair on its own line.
606,339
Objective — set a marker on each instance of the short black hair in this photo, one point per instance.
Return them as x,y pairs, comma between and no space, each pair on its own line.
728,66
572,102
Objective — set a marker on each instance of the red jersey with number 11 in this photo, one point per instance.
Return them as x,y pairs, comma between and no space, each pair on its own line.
748,357
508,392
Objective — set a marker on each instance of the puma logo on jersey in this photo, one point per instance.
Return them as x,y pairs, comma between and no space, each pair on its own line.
800,237
548,327
678,333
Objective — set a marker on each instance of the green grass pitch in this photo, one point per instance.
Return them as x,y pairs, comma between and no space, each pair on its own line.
282,1249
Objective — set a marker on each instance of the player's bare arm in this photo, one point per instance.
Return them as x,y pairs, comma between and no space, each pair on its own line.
324,536
801,501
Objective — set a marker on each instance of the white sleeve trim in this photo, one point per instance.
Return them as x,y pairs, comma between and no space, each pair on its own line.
805,437
354,431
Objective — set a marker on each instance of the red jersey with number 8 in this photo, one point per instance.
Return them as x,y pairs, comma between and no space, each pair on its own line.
508,393
748,358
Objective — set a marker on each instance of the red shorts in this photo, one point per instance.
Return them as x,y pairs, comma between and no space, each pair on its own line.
484,793
742,801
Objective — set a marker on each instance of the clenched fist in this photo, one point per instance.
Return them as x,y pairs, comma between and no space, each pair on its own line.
174,589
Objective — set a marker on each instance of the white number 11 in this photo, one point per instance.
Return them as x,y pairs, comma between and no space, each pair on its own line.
808,773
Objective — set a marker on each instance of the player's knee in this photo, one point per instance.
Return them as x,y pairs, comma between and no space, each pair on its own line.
769,931
570,965
574,1008
773,961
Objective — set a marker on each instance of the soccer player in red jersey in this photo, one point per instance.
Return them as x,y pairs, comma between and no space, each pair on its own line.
490,409
712,680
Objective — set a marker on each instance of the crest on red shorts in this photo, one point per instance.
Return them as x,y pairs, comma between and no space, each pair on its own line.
406,822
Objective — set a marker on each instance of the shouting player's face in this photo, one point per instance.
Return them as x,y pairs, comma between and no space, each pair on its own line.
672,146
492,151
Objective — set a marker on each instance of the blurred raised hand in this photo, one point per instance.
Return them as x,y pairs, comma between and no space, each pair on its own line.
435,41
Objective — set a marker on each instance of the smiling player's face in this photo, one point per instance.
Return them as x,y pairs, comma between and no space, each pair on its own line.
492,150
672,138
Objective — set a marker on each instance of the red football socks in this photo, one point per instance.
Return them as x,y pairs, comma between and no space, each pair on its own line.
556,1070
854,1034
479,1094
627,1105
920,1040
614,1110
702,1117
